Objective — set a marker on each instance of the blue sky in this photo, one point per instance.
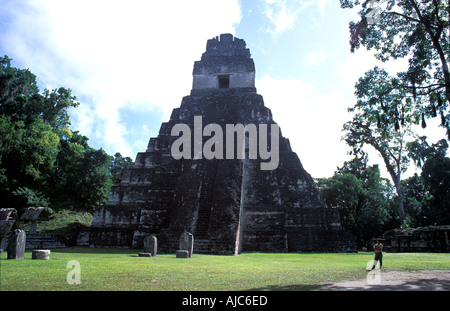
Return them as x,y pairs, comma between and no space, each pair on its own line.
130,63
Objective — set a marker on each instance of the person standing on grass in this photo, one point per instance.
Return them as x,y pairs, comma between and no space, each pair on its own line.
378,249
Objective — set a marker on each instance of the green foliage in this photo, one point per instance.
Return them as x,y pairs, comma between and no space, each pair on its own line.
388,106
382,103
428,195
31,197
415,198
118,165
436,177
366,201
83,178
42,162
343,192
418,30
362,198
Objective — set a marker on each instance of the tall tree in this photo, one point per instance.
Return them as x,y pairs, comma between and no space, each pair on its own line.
418,30
382,119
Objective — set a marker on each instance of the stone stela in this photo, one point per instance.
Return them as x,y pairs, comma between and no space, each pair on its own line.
150,246
16,244
229,204
186,248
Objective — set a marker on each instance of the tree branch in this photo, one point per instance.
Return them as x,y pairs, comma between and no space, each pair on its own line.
438,48
406,17
425,87
436,9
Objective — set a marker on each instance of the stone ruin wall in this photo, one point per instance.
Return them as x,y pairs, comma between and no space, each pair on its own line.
428,239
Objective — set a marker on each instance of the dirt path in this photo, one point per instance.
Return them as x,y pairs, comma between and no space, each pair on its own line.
426,280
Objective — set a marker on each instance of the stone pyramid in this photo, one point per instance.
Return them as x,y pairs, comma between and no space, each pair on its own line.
231,198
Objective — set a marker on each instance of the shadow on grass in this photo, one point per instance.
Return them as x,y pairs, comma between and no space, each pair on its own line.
284,288
420,284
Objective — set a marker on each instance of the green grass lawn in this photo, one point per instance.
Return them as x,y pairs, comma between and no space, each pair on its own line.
123,269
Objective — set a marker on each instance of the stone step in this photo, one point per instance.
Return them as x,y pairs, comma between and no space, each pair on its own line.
34,241
204,246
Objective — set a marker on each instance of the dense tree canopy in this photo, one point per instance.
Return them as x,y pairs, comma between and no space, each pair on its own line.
432,188
367,202
363,198
419,31
42,162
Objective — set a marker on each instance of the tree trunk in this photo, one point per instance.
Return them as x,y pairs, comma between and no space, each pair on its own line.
395,176
401,211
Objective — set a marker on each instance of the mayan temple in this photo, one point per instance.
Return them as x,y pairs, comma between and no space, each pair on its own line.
234,198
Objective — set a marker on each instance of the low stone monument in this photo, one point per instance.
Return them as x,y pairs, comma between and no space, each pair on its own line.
43,254
16,244
151,245
182,254
186,244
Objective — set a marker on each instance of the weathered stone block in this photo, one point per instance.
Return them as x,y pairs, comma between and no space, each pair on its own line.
182,254
42,254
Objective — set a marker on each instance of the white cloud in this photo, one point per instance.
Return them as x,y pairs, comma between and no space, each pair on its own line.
115,54
351,68
315,58
311,120
322,4
282,14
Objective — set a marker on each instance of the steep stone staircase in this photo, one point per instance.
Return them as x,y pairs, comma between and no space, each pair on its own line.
205,201
204,214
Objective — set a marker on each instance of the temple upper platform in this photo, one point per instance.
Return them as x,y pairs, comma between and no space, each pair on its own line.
226,63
